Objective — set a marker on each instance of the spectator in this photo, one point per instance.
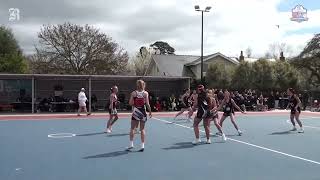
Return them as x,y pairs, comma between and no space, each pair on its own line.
277,99
260,103
271,100
94,101
82,99
158,106
173,103
305,99
220,96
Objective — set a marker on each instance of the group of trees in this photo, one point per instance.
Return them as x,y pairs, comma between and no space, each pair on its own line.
74,49
11,58
262,74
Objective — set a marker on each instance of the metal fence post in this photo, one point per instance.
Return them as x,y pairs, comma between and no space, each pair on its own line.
32,95
89,94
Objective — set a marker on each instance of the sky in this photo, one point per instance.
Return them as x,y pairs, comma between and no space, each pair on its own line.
230,26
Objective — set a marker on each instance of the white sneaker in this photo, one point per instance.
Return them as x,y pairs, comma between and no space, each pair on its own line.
196,142
293,129
208,141
239,133
224,138
301,130
108,131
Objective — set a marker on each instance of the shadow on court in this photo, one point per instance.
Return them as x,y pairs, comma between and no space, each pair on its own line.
281,133
91,134
108,155
218,136
100,133
182,145
118,135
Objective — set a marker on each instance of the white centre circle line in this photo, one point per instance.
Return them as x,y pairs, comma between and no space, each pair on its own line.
61,135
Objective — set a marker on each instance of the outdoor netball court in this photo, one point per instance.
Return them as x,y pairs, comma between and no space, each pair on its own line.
65,147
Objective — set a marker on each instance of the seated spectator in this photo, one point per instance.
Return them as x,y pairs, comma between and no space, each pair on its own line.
260,104
173,103
158,106
271,101
315,106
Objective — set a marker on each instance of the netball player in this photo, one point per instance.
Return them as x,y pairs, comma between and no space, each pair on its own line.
113,113
294,105
228,105
213,114
203,103
139,100
185,103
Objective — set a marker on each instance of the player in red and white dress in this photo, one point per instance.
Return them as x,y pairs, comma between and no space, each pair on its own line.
139,101
113,113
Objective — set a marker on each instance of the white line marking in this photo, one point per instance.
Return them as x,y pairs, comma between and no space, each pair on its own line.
61,135
249,144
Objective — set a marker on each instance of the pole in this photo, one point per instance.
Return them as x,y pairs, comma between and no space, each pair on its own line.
32,95
202,81
89,94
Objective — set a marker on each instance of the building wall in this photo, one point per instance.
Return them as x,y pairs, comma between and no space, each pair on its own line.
197,68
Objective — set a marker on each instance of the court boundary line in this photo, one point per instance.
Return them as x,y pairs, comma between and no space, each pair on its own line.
249,144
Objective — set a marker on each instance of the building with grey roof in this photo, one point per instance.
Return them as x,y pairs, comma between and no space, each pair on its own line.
185,65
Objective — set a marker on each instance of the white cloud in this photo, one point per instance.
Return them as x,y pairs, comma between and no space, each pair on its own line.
230,26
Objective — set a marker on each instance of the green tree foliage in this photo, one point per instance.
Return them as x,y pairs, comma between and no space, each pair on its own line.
219,76
263,76
309,61
163,47
242,77
285,75
73,49
11,58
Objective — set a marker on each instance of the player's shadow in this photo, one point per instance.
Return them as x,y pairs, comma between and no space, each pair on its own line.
108,155
281,133
179,122
100,133
227,135
91,134
182,145
118,135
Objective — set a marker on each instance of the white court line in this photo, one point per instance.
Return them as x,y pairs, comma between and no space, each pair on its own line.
249,144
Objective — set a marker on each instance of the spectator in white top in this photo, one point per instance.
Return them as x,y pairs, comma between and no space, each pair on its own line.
82,99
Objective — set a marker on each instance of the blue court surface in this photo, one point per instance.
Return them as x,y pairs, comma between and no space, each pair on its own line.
266,150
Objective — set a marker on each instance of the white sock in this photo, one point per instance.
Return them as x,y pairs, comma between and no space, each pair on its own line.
142,145
131,143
